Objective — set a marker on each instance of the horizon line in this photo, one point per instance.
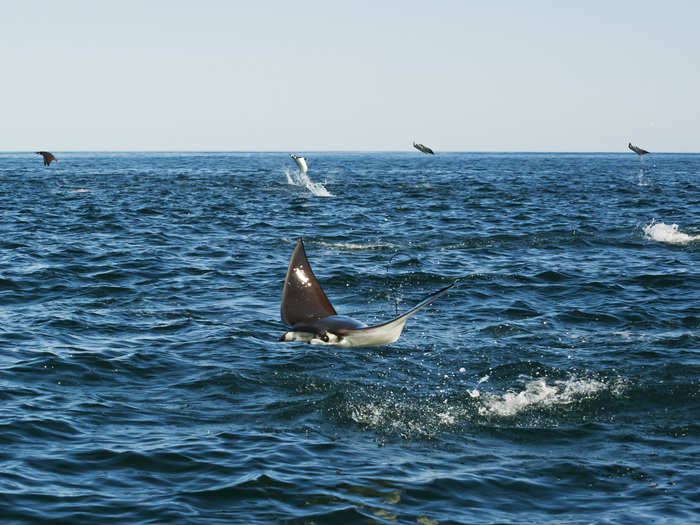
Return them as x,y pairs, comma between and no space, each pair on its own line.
157,150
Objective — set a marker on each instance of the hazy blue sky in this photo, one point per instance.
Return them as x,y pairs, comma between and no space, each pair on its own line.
318,75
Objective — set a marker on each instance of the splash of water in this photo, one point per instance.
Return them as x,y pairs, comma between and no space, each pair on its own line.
662,232
538,393
642,179
302,179
398,412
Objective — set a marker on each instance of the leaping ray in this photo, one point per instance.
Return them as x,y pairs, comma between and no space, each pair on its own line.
301,163
424,149
48,157
639,151
312,318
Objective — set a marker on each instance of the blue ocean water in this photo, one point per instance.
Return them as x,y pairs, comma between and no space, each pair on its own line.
142,381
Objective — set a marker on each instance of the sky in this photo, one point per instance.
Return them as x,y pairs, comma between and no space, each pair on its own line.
363,75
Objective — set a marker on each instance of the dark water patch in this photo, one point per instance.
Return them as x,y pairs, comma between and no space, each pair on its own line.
8,284
576,316
552,277
520,310
19,431
663,281
689,341
12,245
504,330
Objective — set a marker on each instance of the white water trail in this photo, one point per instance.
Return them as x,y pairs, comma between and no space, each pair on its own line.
642,179
302,179
289,177
355,246
662,232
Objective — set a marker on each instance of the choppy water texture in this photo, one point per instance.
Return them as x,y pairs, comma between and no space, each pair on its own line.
142,381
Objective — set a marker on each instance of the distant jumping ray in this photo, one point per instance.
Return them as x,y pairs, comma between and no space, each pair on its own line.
48,157
302,179
639,151
312,319
301,163
424,149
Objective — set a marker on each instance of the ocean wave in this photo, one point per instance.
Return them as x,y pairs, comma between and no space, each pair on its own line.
662,232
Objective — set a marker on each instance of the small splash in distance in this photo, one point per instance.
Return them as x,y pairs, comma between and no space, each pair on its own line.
642,179
662,232
303,180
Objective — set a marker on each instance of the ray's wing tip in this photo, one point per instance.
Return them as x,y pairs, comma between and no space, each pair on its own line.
444,289
429,299
440,292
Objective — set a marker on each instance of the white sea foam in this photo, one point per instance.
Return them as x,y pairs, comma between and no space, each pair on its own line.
82,190
538,393
662,232
302,179
354,246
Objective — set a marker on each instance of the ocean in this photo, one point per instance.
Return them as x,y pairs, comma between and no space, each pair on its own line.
142,380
